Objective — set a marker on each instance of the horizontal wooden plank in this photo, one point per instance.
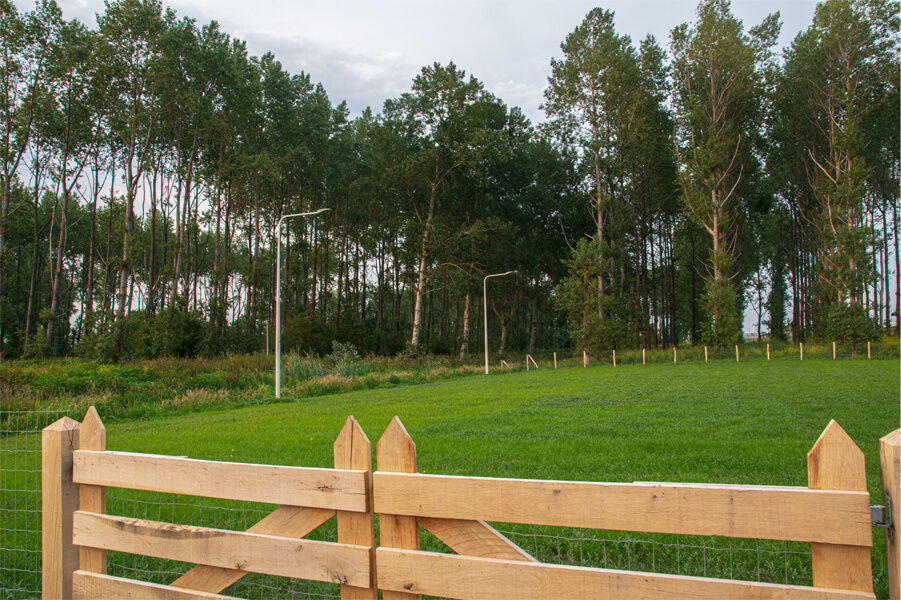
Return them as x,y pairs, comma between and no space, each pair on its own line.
90,586
296,486
795,514
464,577
286,521
251,552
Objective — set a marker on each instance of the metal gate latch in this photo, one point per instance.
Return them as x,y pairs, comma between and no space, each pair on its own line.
881,516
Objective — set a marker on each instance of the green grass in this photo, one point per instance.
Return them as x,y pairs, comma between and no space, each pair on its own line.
747,423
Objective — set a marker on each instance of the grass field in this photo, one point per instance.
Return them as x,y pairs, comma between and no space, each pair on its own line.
747,423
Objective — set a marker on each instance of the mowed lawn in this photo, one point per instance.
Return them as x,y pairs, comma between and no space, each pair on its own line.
748,423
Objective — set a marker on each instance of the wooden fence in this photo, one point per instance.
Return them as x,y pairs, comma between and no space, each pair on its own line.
833,513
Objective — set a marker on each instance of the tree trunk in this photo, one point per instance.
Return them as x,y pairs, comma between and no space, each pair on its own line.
467,316
423,257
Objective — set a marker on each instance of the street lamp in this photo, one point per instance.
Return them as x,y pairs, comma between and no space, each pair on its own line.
278,297
485,310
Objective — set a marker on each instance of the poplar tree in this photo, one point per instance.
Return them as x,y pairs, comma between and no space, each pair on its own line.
719,90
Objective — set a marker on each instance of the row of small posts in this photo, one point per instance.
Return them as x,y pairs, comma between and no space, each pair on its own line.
833,513
586,357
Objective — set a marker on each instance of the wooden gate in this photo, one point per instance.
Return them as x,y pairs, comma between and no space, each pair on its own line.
832,513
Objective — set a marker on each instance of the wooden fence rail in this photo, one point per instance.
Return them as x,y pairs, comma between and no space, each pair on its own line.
832,513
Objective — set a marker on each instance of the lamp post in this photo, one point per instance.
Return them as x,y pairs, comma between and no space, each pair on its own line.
278,297
485,310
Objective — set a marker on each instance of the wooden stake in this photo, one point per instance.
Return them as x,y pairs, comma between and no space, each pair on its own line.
890,465
869,350
802,350
353,451
555,361
674,355
92,498
614,359
59,501
584,358
768,352
528,358
836,463
833,350
705,354
643,357
396,453
736,352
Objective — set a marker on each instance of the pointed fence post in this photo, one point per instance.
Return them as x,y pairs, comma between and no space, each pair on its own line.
890,465
59,501
836,463
396,453
92,498
353,451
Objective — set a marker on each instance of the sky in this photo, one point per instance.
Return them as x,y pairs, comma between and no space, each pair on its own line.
366,51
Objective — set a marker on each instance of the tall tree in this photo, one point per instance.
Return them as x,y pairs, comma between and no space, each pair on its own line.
719,87
839,74
437,113
130,33
591,101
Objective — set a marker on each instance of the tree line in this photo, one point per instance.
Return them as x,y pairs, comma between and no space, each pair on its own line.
671,190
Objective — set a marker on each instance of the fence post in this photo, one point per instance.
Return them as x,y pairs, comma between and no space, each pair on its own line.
353,451
396,453
768,352
614,359
59,500
890,465
643,356
802,350
836,463
705,354
92,498
833,350
736,352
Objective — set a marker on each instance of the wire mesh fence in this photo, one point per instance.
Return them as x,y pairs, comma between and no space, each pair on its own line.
765,561
20,522
216,514
20,501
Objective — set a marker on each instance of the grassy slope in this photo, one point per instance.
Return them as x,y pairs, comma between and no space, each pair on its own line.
750,423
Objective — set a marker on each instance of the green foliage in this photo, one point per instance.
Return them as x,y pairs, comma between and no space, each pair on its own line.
846,323
721,302
596,320
173,332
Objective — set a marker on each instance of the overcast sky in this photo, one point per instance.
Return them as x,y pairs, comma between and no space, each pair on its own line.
365,51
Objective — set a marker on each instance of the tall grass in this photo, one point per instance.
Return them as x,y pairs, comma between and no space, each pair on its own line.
152,388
